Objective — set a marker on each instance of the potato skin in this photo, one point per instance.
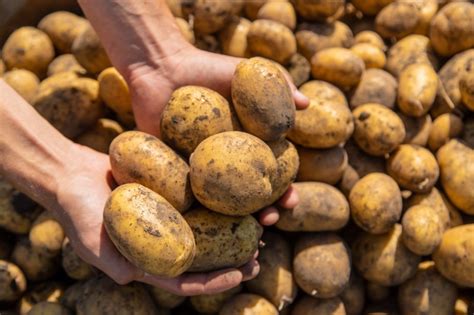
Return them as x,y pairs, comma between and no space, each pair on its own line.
466,87
65,63
322,91
24,82
397,19
377,129
452,257
233,37
73,265
375,86
309,305
318,10
163,243
248,304
299,69
376,203
321,208
417,129
28,48
370,37
12,282
133,154
101,135
321,264
48,308
353,296
212,303
279,11
413,167
89,51
445,127
164,298
326,165
272,40
222,241
435,200
372,56
50,291
46,234
371,7
383,259
339,66
209,16
193,114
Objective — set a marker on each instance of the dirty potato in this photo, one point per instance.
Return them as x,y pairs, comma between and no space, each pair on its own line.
73,265
375,86
398,19
466,87
24,82
164,298
353,296
248,304
12,282
299,69
49,308
445,127
209,16
50,291
318,10
417,129
65,63
324,165
212,303
371,7
89,51
309,305
233,37
372,56
101,135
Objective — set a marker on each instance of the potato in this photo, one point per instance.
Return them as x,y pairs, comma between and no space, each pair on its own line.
321,208
375,86
363,163
445,127
185,30
222,241
309,305
251,8
287,166
28,48
208,43
377,129
73,265
412,49
413,167
69,103
63,28
372,56
325,165
272,40
314,37
209,16
417,88
103,296
65,63
212,303
376,203
35,263
193,114
279,11
47,234
101,135
12,282
233,37
318,10
456,164
71,295
248,304
24,82
48,308
451,29
299,69
137,157
164,298
321,264
371,7
370,37
417,129
89,51
349,178
275,280
323,92
377,292
162,242
114,91
398,19
438,202
339,66
452,257
353,296
50,291
383,259
466,87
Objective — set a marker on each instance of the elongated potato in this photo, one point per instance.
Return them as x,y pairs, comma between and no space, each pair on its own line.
398,19
24,82
12,282
73,265
309,305
417,88
212,303
427,9
417,129
372,56
133,154
375,86
376,203
89,51
321,264
339,66
326,165
101,135
321,208
318,10
65,63
209,16
248,304
233,37
383,259
445,127
46,234
222,241
279,11
370,37
353,296
164,298
162,242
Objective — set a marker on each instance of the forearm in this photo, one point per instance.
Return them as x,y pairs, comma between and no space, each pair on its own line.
134,33
32,153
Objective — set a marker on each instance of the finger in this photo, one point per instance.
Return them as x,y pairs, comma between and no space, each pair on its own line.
301,101
250,270
290,199
269,216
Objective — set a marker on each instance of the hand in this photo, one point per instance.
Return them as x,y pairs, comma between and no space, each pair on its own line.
83,192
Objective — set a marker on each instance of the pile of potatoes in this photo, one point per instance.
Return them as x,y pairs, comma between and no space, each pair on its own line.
382,161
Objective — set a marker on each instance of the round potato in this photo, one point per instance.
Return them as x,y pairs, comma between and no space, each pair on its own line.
222,241
185,30
422,230
73,265
47,234
212,303
456,163
375,86
413,167
209,16
372,56
326,165
370,7
12,282
318,10
466,87
63,28
445,127
233,37
376,203
28,48
101,135
377,129
248,304
193,114
49,308
24,82
299,69
279,11
321,208
272,40
452,257
164,298
162,243
323,92
370,37
383,259
339,66
418,84
50,291
417,129
65,63
353,296
89,51
398,19
321,265
309,305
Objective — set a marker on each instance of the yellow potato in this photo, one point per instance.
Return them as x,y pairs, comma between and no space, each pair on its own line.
466,87
50,291
309,305
445,127
318,10
164,298
12,282
325,165
233,37
73,265
370,37
65,63
209,16
248,304
299,69
323,92
222,241
279,11
372,56
371,7
48,308
376,203
24,82
47,234
212,303
353,296
427,9
251,8
321,208
375,86
185,30
321,264
89,51
417,129
398,19
101,135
